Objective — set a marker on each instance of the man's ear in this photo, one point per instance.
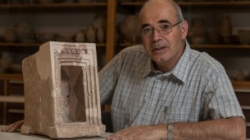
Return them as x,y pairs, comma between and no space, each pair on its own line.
184,29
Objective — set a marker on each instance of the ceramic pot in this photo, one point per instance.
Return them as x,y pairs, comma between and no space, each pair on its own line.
91,34
24,32
129,29
10,35
243,36
100,35
225,29
240,76
80,36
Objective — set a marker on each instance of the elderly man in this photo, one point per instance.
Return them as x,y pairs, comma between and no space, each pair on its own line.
165,90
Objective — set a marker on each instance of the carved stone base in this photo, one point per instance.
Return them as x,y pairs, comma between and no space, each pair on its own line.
62,91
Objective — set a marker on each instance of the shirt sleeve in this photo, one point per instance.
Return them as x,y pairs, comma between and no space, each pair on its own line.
108,77
220,96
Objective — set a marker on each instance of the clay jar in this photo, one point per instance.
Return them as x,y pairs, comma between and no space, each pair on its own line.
129,29
99,24
197,32
79,36
10,35
240,76
225,29
24,32
90,34
243,36
96,31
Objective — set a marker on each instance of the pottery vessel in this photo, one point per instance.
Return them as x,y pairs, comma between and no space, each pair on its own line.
100,24
5,61
240,76
90,34
225,29
79,36
197,32
10,35
129,29
25,32
243,36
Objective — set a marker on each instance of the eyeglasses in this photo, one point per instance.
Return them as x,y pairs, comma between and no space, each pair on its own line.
164,28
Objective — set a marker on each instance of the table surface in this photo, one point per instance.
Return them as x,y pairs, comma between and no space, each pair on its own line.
20,136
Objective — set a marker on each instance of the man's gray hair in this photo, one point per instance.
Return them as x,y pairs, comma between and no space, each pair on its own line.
174,4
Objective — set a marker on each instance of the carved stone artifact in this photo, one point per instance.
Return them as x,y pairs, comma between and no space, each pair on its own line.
62,91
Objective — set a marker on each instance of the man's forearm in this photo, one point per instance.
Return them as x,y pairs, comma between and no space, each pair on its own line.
221,129
228,129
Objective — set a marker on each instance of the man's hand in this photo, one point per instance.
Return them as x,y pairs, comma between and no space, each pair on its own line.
13,127
150,132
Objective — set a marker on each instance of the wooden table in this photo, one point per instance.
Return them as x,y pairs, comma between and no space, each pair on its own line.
19,136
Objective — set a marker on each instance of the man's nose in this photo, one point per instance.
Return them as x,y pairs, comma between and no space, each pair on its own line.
156,35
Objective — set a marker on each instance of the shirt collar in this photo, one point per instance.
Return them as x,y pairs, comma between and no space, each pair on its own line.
180,71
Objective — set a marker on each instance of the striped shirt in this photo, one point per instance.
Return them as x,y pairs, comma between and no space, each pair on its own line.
196,89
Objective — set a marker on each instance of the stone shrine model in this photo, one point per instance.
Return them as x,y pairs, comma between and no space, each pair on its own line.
62,91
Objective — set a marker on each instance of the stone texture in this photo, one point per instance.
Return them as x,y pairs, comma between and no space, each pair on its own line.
62,92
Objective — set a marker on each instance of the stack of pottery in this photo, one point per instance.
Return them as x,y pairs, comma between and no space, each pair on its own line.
46,36
96,31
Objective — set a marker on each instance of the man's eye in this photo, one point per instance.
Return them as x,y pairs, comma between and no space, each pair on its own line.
146,30
165,27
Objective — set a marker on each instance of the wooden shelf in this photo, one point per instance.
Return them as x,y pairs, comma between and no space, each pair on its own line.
216,3
6,97
204,3
245,107
242,89
54,5
248,124
11,76
21,111
12,99
124,45
34,44
211,46
241,85
207,46
221,46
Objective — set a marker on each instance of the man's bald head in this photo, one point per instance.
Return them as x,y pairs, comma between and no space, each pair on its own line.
166,3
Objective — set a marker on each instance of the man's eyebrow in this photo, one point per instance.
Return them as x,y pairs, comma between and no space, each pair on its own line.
160,21
144,25
163,21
